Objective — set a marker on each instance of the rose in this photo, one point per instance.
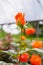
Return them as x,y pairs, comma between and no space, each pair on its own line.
20,20
29,31
23,57
37,44
35,60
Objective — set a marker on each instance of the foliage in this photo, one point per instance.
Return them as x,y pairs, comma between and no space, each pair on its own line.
22,49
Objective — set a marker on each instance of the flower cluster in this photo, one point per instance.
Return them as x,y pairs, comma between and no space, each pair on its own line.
34,60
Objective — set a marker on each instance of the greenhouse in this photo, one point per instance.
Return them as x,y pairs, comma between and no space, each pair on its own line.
21,32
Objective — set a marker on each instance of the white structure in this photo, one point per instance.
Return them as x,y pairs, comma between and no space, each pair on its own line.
33,10
8,9
13,29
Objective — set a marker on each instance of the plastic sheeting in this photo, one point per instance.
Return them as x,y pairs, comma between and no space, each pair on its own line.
8,9
33,9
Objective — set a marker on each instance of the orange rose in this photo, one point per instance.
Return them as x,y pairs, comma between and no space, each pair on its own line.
35,60
19,16
20,19
29,31
23,37
23,57
37,44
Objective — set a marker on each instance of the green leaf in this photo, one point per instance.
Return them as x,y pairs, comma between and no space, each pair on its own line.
23,63
38,50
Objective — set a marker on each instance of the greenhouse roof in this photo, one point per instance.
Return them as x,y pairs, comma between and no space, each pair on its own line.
33,10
